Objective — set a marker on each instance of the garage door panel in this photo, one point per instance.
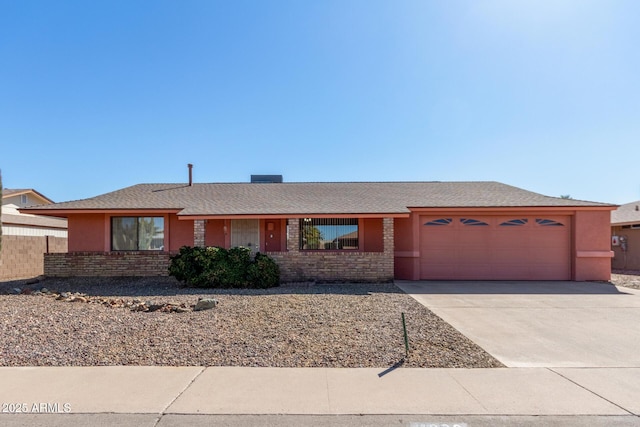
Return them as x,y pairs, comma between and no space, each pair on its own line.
535,248
548,256
514,256
441,271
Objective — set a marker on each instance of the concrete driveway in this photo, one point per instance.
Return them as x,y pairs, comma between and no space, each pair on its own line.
541,324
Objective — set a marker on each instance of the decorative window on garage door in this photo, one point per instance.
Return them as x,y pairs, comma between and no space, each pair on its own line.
515,222
441,221
471,221
549,222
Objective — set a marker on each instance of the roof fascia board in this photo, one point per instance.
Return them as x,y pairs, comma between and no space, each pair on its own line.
511,209
281,216
65,212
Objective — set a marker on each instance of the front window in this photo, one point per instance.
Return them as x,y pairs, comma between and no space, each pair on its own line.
329,233
130,233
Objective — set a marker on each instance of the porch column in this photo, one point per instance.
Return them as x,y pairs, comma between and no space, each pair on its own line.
388,248
293,235
198,232
387,236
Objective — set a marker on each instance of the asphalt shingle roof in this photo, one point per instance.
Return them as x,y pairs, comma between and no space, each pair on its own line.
34,221
314,198
628,213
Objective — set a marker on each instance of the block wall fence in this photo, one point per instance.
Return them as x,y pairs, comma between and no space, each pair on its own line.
21,257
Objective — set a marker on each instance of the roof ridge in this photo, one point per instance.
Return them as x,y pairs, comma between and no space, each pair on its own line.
321,182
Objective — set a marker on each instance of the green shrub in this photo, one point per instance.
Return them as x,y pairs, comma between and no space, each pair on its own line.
238,262
193,266
216,267
263,272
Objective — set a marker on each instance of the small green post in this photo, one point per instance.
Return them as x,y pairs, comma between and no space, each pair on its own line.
406,338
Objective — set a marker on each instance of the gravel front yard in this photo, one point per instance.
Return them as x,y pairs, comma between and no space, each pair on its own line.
299,325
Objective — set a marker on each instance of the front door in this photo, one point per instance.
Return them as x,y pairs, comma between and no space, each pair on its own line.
246,233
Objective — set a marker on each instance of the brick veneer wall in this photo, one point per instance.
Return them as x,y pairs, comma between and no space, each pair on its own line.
295,265
106,264
335,266
21,257
199,227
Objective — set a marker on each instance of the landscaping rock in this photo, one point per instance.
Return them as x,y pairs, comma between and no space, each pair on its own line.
205,304
330,326
155,307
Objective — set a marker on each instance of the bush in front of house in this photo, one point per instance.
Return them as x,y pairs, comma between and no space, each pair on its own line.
215,267
263,272
192,266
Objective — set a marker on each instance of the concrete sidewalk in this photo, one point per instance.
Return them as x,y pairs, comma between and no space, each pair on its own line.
321,391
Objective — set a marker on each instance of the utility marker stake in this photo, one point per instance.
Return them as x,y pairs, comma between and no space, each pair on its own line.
406,338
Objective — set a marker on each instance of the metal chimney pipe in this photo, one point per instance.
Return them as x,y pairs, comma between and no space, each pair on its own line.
190,166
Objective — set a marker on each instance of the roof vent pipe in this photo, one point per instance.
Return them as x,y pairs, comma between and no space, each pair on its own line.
190,166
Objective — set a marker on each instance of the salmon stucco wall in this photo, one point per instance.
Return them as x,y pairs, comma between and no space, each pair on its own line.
87,233
406,248
592,245
180,233
214,233
372,235
92,232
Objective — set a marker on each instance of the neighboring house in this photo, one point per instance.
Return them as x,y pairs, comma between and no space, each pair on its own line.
350,231
15,223
27,237
24,197
625,236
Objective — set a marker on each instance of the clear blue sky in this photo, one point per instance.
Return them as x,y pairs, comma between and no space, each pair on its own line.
99,95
